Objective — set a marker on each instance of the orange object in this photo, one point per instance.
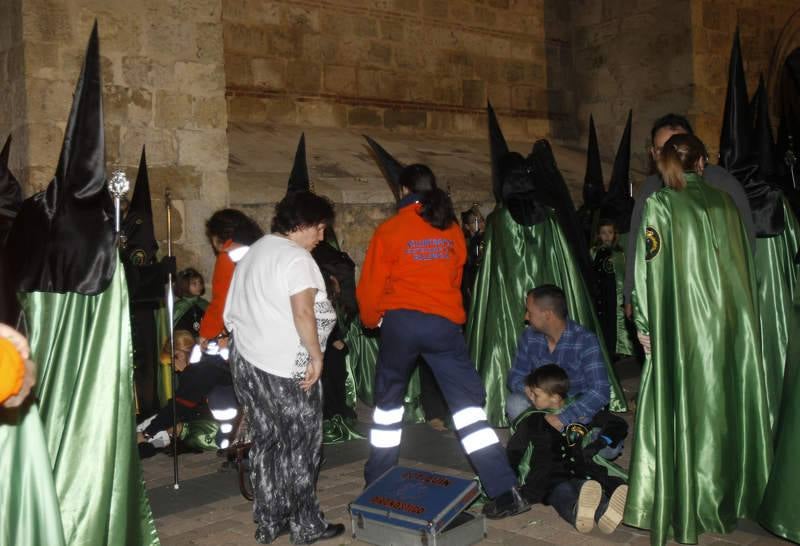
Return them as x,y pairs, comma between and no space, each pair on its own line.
211,325
12,370
412,265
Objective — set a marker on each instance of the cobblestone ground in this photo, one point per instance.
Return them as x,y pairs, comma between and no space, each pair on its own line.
208,510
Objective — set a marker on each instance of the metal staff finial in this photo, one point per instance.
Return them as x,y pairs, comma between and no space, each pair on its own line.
791,161
118,186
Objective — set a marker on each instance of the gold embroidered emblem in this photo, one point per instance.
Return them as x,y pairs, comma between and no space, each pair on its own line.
653,243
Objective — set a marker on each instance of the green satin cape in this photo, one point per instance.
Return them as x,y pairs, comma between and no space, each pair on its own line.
777,278
781,506
516,259
702,445
29,514
82,345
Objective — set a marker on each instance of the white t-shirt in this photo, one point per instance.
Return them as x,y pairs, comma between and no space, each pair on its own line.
259,312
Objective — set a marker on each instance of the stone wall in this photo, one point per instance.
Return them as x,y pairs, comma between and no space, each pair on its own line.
399,65
12,84
164,87
629,54
713,25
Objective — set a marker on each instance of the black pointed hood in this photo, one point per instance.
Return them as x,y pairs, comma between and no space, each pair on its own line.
63,239
390,167
299,179
618,203
140,239
498,149
593,185
10,193
763,142
739,154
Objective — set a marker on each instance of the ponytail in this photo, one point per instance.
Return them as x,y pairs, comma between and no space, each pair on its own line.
680,155
437,208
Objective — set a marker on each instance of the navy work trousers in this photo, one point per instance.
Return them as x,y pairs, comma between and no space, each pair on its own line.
405,335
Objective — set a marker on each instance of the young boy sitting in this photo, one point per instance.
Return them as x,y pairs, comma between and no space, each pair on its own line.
554,468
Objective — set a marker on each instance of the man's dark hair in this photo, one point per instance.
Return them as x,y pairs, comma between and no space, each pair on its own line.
673,121
299,210
551,379
232,224
549,296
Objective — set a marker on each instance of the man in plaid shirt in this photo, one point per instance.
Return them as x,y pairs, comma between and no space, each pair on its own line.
552,338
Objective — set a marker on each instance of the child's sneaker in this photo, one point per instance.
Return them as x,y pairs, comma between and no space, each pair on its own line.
586,507
612,517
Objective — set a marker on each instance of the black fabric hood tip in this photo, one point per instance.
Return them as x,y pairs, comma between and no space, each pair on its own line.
389,166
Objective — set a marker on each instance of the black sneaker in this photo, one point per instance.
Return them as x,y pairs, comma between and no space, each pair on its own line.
506,505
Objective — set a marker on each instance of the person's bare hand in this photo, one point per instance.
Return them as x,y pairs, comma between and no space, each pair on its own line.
28,382
19,341
644,339
338,345
313,373
628,308
553,420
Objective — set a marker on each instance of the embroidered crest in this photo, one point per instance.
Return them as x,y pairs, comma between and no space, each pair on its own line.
138,257
653,243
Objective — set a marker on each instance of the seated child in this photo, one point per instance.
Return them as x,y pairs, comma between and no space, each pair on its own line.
608,262
555,468
190,306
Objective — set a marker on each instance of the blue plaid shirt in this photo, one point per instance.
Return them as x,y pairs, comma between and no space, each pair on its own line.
578,353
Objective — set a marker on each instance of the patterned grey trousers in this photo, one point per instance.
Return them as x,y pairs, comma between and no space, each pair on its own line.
286,425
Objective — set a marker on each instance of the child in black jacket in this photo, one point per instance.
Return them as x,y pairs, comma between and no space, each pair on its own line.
555,468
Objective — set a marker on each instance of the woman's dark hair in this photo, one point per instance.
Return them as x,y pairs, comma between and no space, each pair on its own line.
437,208
551,379
232,224
680,155
301,209
185,278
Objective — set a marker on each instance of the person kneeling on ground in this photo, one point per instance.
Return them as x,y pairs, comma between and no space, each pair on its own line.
556,469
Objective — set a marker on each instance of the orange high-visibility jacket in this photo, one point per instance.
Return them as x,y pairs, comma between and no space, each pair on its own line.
12,370
211,325
412,265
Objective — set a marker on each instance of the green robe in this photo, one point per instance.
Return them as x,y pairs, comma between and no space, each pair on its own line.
82,345
702,447
781,506
777,279
516,259
29,513
624,344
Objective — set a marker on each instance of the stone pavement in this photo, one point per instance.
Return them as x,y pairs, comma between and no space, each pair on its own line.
208,509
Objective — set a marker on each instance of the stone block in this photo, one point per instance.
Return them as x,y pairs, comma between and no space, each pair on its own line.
305,18
441,122
303,77
50,21
269,73
205,149
173,110
281,110
364,117
379,54
41,60
448,91
246,109
364,27
435,8
44,141
168,41
210,112
321,114
238,70
137,71
184,183
407,5
392,30
209,42
200,78
368,82
140,106
339,79
335,23
404,119
206,11
48,101
285,42
525,97
513,71
393,86
474,93
240,38
161,145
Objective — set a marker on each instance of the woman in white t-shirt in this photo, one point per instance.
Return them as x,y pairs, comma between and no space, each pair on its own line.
280,318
